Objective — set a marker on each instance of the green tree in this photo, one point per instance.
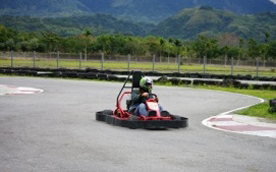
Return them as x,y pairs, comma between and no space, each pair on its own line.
241,48
178,45
87,40
272,49
162,44
152,43
267,36
253,49
10,44
104,43
233,52
52,41
33,44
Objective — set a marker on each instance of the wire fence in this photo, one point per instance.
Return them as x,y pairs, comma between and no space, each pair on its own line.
147,63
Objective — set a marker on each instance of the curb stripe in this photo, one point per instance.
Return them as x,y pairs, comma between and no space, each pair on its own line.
224,122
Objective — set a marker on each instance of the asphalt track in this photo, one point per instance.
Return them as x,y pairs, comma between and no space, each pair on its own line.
56,131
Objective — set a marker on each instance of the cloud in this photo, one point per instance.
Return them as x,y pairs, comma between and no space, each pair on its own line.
274,1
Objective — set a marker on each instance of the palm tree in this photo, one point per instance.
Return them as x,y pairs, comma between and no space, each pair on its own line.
267,36
171,40
241,45
177,43
162,44
87,34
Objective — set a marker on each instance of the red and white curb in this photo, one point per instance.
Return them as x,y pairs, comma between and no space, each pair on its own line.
243,125
230,122
15,90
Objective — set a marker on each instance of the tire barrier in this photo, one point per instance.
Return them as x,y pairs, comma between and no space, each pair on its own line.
174,78
112,77
102,76
91,75
175,81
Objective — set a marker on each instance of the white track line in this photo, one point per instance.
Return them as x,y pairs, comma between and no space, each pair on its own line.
14,90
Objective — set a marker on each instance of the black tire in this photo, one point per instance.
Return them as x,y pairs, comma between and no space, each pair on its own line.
102,76
112,77
91,75
108,112
82,75
176,117
100,116
175,81
91,70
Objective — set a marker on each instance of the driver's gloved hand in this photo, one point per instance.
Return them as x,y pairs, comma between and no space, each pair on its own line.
145,94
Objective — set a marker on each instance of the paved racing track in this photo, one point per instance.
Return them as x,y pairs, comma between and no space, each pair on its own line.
56,131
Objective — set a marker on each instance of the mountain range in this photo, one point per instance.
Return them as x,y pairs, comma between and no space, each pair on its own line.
183,19
151,11
189,23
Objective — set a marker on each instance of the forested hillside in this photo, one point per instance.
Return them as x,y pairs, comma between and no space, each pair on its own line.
74,25
158,10
42,7
190,23
151,11
186,25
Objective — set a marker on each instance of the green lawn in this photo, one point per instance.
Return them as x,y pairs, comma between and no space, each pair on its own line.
259,110
160,67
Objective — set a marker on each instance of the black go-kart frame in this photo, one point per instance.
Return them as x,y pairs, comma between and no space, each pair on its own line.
154,120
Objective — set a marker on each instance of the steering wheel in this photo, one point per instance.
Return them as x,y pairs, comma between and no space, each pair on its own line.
150,96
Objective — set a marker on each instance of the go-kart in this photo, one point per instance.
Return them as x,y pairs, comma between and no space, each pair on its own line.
155,118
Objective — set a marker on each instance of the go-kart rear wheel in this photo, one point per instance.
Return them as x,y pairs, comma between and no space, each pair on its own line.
100,116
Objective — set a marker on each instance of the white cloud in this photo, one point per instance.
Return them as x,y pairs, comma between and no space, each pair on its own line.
274,1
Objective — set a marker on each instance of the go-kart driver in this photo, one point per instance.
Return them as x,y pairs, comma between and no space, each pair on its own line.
138,107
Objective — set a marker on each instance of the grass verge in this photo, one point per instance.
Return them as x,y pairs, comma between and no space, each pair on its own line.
259,110
161,67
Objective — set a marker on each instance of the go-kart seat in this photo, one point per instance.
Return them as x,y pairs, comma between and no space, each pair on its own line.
136,77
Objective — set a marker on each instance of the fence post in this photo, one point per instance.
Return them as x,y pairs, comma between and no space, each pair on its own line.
80,60
153,63
34,56
128,62
204,64
232,65
57,59
102,62
257,66
225,59
12,58
178,63
85,55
